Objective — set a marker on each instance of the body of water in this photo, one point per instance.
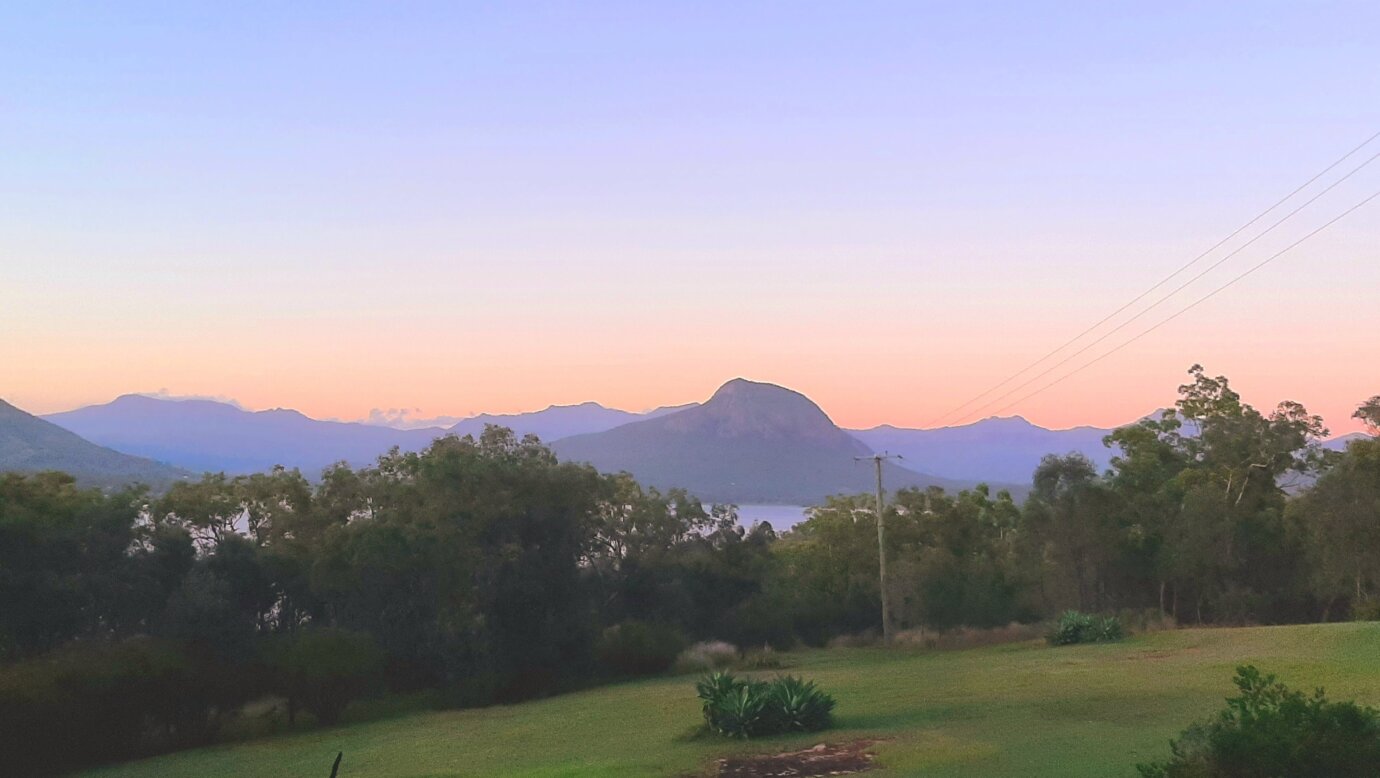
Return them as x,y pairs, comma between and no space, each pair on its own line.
780,517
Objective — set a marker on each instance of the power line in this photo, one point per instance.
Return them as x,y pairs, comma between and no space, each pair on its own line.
1158,284
1177,289
1190,306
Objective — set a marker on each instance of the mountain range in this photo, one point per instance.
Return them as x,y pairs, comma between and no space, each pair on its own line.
560,421
29,444
750,442
206,435
999,449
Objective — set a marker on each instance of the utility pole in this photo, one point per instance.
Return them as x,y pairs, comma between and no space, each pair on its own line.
877,459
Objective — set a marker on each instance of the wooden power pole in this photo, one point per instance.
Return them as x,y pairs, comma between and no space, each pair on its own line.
877,459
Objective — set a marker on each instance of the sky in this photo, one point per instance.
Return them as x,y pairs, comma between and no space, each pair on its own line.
468,207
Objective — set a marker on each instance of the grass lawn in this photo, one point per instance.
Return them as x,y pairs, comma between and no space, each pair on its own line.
1016,710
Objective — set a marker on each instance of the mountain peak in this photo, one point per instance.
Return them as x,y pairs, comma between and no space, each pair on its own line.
1011,421
743,388
756,409
750,442
587,405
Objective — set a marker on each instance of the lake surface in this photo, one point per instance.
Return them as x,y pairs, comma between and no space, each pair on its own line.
780,517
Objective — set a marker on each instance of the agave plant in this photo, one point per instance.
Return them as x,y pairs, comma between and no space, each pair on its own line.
743,712
800,706
739,708
716,686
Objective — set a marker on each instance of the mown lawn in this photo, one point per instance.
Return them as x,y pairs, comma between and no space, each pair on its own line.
1016,710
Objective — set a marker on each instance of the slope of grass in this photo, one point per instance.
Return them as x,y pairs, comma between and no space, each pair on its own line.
1015,710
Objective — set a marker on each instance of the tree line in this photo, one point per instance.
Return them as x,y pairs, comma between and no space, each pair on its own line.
485,570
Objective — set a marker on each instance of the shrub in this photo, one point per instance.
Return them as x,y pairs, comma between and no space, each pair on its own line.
1146,620
865,639
740,712
968,637
799,705
639,648
1075,627
706,656
323,669
745,708
764,658
1271,731
757,621
86,704
1366,610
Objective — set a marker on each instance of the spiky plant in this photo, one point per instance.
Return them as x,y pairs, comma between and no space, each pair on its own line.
800,706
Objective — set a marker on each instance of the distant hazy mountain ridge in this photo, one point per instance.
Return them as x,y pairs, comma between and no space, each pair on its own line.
750,442
29,444
997,449
206,435
557,421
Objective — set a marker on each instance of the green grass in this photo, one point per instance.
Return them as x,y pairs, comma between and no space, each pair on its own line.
1017,710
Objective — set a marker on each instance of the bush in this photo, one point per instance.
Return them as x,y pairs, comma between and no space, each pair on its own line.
865,639
323,670
87,704
639,648
968,637
706,656
744,708
1366,610
764,658
1075,627
1271,731
1146,620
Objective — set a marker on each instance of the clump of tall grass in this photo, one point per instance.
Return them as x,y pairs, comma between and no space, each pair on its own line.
968,637
864,639
764,658
706,656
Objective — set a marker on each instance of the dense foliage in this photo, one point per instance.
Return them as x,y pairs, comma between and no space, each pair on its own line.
485,570
639,648
742,708
1271,730
1074,627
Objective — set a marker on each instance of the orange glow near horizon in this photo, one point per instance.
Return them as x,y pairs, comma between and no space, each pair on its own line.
340,388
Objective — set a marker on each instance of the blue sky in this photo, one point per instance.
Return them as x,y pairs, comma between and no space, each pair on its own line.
470,207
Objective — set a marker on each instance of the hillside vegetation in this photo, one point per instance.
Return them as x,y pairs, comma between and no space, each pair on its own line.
29,444
1015,710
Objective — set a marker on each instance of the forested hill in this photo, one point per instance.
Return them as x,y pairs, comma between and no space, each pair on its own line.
29,444
749,443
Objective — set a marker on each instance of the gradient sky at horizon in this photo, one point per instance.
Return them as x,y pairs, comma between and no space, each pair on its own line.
458,208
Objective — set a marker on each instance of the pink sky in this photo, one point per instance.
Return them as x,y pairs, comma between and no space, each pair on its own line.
888,208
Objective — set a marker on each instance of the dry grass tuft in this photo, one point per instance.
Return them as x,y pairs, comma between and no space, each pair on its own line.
706,656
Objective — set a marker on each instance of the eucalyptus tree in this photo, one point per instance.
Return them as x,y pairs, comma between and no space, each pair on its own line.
1341,513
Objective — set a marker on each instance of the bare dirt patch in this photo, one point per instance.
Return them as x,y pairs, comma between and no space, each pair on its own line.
823,759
